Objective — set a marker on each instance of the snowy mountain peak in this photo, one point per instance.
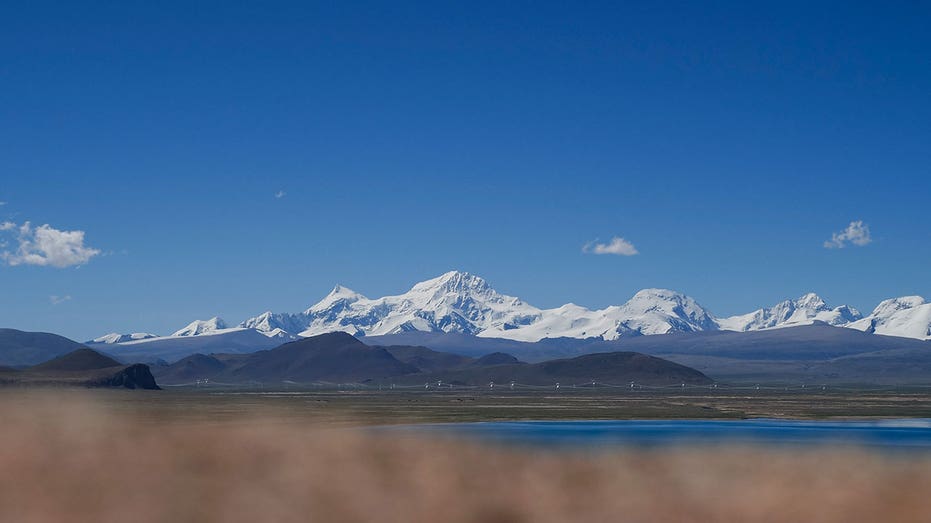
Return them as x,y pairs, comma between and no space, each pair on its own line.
668,302
656,311
657,296
453,282
115,337
198,327
662,294
274,324
570,308
908,316
810,301
893,305
340,291
338,296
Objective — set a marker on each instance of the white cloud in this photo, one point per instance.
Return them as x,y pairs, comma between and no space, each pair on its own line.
58,300
47,246
2,204
618,246
857,233
280,194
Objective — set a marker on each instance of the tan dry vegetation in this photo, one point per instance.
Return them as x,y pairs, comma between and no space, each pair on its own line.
77,461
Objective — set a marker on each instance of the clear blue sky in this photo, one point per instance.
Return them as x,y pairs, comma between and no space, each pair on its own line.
725,141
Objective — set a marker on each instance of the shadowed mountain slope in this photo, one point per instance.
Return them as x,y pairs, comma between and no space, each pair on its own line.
811,353
333,358
808,342
496,358
81,359
615,368
427,360
173,348
20,348
340,358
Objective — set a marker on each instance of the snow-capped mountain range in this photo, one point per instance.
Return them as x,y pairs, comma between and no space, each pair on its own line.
464,303
803,311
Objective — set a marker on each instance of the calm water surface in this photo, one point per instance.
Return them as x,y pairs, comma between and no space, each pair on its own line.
893,434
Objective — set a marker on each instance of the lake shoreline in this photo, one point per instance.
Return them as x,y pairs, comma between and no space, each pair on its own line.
371,408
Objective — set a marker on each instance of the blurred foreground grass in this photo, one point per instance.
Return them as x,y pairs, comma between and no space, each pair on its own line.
66,457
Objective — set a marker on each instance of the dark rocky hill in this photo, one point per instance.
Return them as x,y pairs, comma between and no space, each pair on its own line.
330,358
81,368
615,368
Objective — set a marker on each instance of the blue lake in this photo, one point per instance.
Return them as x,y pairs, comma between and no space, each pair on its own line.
912,434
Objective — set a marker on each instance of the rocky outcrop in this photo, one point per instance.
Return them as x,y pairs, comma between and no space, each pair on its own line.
136,376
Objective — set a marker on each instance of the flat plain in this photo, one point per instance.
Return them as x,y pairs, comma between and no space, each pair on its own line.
303,455
352,407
